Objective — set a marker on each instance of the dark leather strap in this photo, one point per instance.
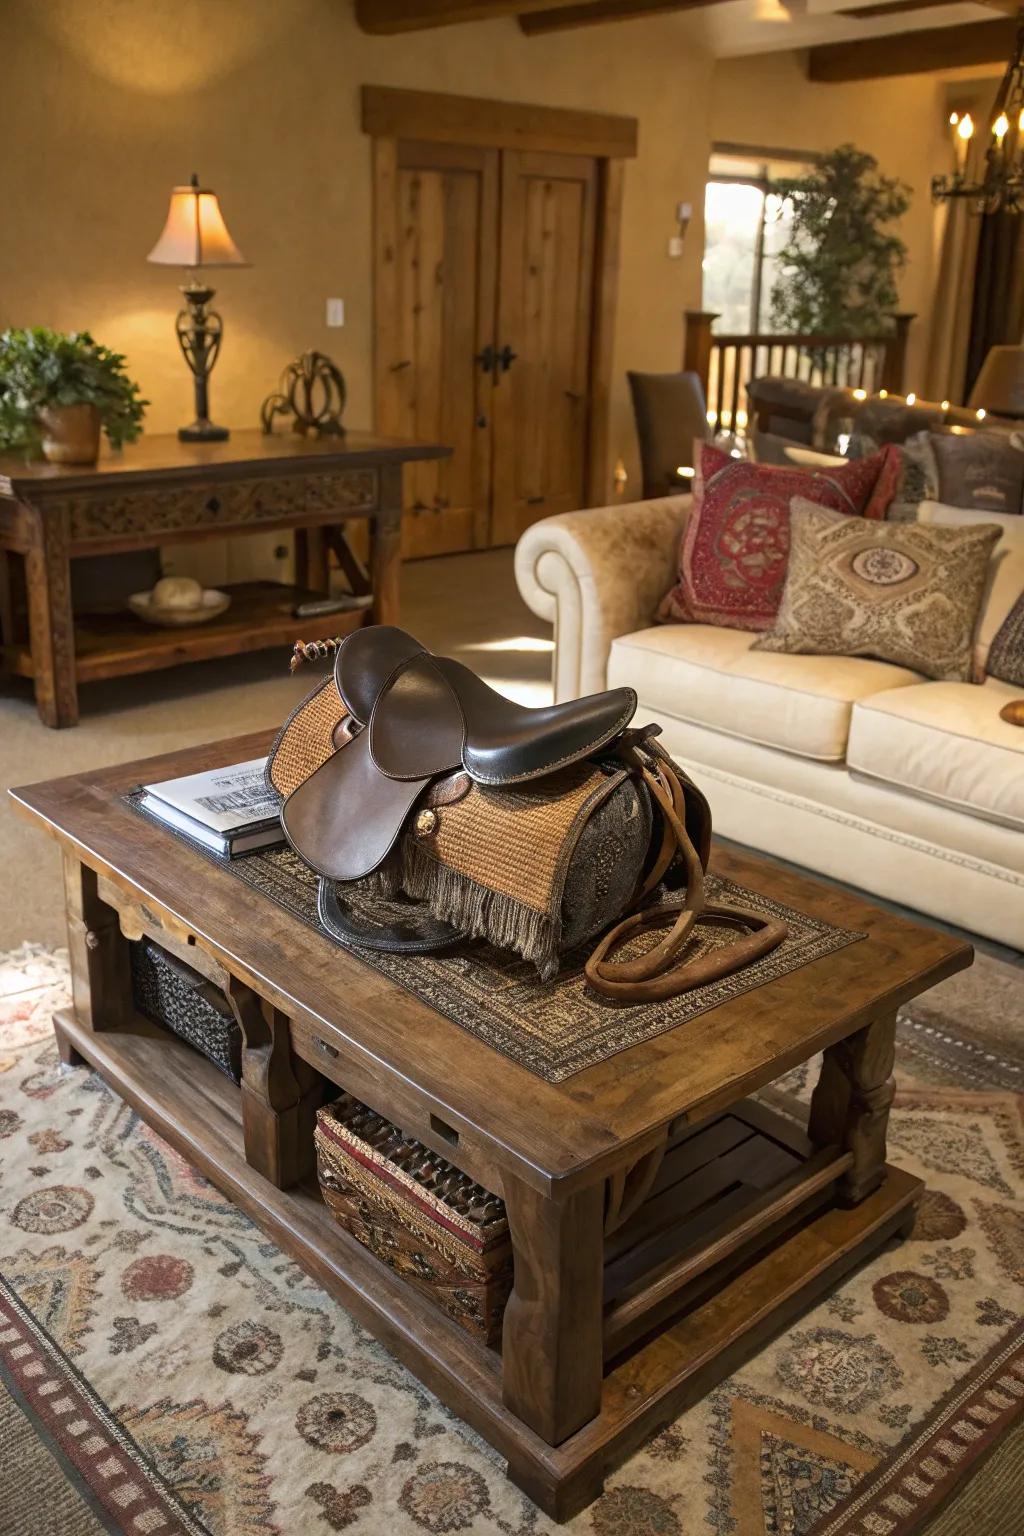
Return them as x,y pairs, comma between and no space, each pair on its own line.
419,934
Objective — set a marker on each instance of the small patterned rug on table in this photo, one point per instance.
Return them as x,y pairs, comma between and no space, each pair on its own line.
180,1374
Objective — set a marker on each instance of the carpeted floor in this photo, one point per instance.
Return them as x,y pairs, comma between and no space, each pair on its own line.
466,605
203,1383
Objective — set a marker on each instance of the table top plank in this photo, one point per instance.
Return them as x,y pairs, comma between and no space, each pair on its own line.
249,451
564,1132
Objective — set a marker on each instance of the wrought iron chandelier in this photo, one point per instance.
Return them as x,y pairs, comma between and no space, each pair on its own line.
1001,187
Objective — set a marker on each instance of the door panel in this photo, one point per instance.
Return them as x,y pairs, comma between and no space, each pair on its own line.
544,314
443,293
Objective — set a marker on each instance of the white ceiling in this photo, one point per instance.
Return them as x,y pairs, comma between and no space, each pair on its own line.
761,26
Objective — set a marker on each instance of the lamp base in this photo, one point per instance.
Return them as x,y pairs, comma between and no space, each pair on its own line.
203,432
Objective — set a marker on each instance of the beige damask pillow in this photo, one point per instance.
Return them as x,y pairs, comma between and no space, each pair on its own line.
901,592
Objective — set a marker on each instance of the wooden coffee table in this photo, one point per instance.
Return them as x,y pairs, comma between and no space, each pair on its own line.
664,1225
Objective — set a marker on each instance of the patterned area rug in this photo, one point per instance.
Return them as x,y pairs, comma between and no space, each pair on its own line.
197,1380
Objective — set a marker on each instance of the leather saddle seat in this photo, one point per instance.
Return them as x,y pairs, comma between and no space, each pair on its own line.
422,716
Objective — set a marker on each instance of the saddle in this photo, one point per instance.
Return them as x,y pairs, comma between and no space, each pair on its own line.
406,773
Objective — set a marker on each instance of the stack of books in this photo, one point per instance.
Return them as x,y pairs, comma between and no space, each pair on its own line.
230,810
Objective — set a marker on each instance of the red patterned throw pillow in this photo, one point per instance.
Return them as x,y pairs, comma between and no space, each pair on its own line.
735,551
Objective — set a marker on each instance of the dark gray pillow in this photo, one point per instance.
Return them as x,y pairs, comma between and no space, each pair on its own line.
1006,653
983,470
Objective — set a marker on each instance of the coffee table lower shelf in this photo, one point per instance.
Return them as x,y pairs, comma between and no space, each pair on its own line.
197,1109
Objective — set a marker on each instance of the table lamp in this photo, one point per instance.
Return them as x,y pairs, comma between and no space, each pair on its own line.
195,236
999,387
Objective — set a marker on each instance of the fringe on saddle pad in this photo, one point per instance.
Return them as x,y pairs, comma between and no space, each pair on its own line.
472,908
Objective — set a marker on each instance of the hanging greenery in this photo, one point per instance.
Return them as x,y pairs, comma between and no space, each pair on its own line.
836,273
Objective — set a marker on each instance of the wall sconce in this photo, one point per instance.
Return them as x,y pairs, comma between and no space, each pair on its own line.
684,213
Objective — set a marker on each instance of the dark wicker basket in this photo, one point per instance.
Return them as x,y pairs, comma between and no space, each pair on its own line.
430,1223
171,993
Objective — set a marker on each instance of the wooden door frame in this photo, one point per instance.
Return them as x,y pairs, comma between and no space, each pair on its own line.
390,115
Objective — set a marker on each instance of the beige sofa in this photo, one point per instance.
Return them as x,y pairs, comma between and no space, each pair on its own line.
867,772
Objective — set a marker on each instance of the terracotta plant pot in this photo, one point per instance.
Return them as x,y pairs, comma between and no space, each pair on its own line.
71,433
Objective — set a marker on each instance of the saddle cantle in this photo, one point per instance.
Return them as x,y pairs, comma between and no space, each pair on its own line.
537,829
423,716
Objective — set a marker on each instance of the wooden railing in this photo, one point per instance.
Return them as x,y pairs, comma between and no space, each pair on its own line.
727,364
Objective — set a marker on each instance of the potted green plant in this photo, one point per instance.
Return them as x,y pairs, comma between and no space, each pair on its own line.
836,273
57,390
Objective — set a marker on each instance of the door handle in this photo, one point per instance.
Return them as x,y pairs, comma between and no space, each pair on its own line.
506,357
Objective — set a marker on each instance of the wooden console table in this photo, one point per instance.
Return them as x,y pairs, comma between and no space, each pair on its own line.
162,491
664,1225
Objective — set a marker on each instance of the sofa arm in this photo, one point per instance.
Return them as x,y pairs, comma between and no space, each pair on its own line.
595,575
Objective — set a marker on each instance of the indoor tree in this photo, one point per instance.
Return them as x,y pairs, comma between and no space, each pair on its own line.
836,273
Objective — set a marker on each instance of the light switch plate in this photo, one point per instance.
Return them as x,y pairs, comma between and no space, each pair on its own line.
335,312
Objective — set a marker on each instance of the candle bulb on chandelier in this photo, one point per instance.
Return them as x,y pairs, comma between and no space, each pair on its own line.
964,134
1000,128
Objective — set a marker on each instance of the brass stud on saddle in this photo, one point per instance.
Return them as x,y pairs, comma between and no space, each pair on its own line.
426,823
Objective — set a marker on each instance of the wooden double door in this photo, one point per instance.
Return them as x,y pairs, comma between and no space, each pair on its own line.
485,318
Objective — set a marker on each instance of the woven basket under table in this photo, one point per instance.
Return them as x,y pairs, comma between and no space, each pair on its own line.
445,1235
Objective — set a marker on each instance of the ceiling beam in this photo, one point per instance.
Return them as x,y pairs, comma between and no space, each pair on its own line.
586,13
913,53
417,15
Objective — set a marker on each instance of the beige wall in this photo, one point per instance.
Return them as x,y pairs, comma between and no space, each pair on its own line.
111,102
768,101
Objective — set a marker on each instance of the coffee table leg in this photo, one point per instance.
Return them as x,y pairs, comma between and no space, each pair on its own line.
851,1103
279,1093
100,976
552,1348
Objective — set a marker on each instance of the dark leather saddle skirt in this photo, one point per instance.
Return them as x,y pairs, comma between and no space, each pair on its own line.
420,717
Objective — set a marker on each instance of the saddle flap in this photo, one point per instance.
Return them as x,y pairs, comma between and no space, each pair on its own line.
416,728
365,661
344,819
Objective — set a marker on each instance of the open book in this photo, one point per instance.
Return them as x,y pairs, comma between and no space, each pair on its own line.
230,810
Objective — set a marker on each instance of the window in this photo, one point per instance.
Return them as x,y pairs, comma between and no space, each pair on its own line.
745,227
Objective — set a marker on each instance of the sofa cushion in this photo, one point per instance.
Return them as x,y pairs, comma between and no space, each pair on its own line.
902,592
698,672
946,742
732,563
